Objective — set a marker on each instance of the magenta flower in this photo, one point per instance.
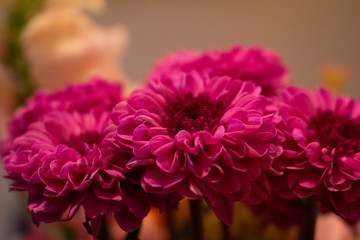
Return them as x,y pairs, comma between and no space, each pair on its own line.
255,64
59,156
103,96
322,151
75,98
199,138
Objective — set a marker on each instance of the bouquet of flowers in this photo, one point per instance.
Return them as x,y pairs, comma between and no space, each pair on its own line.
218,127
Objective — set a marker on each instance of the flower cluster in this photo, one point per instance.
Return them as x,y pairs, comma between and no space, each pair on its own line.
201,138
221,126
255,64
322,151
59,155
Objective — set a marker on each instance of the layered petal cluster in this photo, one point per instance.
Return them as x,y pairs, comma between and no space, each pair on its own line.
201,138
60,157
255,64
96,96
322,150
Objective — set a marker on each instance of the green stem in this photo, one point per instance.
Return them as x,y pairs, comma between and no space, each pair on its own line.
197,225
307,230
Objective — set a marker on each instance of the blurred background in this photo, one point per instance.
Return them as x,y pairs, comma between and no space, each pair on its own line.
309,36
47,44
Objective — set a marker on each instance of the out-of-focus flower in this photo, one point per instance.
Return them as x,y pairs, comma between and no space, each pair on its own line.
96,6
322,151
59,157
334,77
255,64
151,228
64,46
332,227
198,137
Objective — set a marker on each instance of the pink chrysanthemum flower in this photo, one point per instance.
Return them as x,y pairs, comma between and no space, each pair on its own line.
255,64
75,98
322,151
59,156
199,138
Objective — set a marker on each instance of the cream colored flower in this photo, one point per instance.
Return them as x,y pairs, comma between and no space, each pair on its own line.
96,6
64,46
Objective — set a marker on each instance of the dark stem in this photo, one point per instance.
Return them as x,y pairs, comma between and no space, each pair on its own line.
171,225
87,225
133,235
197,225
307,230
104,231
225,231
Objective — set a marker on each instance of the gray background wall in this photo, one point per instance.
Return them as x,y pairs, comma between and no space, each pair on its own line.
306,34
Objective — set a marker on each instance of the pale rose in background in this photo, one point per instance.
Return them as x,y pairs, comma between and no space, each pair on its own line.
96,6
64,46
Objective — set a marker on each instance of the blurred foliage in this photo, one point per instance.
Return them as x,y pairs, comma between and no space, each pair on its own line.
20,14
246,226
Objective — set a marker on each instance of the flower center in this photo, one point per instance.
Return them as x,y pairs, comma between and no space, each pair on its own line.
86,129
90,138
192,114
337,132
